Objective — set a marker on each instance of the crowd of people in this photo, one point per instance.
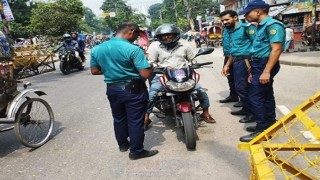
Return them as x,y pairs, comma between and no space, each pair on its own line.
251,54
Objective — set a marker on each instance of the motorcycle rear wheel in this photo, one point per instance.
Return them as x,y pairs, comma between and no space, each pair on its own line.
189,131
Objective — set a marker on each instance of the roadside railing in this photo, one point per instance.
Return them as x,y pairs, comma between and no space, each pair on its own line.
292,145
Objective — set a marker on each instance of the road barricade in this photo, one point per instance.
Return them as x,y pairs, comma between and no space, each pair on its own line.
292,144
32,60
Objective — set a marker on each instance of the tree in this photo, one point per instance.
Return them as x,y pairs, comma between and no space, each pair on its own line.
124,13
21,12
57,18
154,11
90,22
175,11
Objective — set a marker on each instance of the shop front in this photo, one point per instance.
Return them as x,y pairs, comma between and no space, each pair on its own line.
299,18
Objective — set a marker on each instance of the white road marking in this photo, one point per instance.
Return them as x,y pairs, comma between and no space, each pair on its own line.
307,134
283,109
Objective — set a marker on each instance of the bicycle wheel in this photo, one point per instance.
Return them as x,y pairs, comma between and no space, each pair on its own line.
34,122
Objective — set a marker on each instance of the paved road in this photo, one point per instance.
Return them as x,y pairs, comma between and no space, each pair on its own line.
84,147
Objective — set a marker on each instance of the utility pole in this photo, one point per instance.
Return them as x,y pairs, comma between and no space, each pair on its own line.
190,20
175,9
313,33
160,16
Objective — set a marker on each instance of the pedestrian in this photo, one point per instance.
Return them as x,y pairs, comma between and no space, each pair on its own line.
226,45
172,53
125,69
266,50
289,38
241,38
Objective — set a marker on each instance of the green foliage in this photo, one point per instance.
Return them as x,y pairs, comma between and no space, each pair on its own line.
154,11
169,11
124,13
90,23
57,18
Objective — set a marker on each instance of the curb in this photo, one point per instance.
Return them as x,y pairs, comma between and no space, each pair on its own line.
291,63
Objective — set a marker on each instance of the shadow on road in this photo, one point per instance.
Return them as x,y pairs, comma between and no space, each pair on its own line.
10,143
154,135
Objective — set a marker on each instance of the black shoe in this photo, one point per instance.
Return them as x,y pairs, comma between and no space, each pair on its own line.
144,154
247,119
238,104
240,112
124,149
229,99
249,137
251,129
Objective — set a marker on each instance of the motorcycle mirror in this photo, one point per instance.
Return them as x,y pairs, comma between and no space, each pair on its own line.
203,51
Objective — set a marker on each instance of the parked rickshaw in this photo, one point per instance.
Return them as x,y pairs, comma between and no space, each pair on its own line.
25,111
214,35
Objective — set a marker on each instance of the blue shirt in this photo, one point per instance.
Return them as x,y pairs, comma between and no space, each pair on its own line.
242,37
119,60
269,31
226,41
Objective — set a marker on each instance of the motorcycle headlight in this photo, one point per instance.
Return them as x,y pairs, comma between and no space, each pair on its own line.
181,87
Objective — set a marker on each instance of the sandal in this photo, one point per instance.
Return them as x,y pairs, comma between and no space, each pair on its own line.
146,124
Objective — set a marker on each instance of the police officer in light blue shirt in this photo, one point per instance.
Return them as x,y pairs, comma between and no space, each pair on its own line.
125,69
241,38
226,44
266,50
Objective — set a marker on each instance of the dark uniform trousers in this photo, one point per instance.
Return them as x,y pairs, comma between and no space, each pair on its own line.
241,84
128,111
230,78
261,98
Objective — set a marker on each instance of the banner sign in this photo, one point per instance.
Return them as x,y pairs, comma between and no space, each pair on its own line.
7,11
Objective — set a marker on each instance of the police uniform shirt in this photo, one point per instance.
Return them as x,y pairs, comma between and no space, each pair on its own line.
269,31
226,41
176,57
241,39
119,60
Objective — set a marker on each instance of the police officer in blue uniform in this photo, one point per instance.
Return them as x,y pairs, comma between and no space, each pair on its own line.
226,44
266,50
125,69
242,36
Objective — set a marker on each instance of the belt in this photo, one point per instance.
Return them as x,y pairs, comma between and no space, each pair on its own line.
239,58
259,59
118,84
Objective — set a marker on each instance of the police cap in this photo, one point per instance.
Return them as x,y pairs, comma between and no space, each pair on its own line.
255,4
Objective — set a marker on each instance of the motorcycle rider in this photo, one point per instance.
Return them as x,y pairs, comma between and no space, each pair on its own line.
197,40
81,44
68,43
170,53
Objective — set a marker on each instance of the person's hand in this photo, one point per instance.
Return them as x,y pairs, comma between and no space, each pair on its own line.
250,78
264,78
225,70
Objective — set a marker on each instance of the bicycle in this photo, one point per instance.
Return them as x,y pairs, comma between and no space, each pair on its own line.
25,111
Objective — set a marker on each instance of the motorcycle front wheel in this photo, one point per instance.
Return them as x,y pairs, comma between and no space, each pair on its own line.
64,68
189,131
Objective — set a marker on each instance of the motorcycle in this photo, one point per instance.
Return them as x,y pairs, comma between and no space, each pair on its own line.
179,97
199,41
68,61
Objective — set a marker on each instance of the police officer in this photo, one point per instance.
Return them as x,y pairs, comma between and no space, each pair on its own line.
226,44
241,38
266,50
125,69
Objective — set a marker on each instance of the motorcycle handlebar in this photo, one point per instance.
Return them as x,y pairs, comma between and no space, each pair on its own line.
203,64
161,70
198,65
